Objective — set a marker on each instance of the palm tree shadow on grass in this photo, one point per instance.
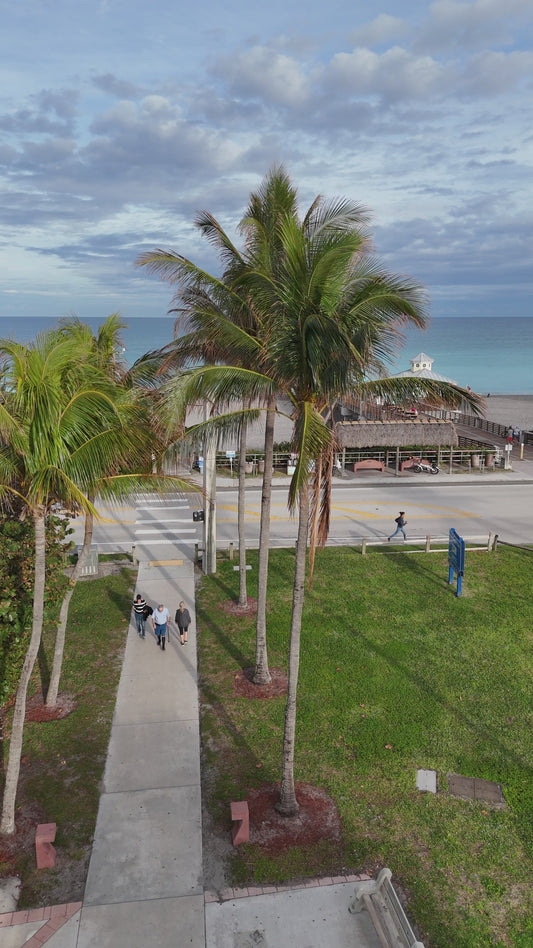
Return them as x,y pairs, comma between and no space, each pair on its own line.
487,736
226,642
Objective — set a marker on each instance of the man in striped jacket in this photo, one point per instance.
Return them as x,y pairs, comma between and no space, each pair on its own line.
139,606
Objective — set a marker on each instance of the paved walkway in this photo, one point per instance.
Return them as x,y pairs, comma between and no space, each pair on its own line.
145,881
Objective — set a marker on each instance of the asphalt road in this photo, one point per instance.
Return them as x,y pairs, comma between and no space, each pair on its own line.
432,507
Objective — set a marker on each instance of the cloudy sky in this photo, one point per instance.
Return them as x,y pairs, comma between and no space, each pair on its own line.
119,120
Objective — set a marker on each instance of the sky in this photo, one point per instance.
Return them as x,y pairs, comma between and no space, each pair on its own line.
120,121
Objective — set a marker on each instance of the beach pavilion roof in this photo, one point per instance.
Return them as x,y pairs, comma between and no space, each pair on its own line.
426,432
422,367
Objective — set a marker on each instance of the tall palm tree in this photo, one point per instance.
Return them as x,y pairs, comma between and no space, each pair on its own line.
223,325
328,314
47,427
132,444
335,312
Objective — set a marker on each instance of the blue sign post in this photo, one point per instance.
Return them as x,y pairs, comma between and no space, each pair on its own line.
456,559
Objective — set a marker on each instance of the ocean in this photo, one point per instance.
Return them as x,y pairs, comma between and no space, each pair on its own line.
489,354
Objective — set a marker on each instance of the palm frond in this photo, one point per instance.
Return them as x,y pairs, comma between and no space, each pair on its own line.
310,438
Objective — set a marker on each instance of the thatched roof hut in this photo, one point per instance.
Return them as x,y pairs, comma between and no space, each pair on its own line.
425,432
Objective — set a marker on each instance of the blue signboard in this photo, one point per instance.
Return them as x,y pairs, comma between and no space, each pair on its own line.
456,558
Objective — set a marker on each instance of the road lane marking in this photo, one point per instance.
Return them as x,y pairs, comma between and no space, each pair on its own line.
157,530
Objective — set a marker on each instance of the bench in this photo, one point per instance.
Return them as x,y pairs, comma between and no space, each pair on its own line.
390,922
240,831
45,853
369,464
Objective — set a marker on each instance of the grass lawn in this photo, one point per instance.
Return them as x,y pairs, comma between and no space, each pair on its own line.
63,760
396,673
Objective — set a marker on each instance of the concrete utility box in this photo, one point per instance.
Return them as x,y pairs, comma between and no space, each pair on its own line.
426,780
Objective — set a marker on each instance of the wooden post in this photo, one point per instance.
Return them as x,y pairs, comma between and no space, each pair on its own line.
363,547
428,543
495,542
196,554
451,459
397,460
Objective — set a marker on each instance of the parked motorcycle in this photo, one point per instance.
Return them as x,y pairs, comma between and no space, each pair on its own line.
426,468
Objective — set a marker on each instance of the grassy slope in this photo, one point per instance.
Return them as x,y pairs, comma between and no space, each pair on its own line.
391,657
63,760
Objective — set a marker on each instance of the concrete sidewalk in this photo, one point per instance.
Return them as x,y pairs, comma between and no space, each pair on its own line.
145,881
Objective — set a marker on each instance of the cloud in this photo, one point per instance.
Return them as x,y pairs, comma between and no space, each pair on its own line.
46,113
119,88
393,75
381,30
494,73
453,24
264,73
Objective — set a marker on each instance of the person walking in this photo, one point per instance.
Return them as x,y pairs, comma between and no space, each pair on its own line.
400,524
159,621
183,621
139,607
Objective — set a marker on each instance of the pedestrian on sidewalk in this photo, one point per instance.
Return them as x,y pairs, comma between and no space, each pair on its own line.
400,524
139,606
159,621
183,621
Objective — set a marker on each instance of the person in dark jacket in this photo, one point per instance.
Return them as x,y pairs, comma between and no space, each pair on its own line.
139,606
183,621
400,524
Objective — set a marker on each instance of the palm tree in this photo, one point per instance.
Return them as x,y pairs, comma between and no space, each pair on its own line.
328,314
223,324
132,444
334,313
47,425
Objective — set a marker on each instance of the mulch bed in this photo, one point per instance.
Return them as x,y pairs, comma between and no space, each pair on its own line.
22,841
232,608
316,821
244,686
37,711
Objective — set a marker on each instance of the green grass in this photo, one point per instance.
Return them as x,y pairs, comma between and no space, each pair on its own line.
63,761
390,656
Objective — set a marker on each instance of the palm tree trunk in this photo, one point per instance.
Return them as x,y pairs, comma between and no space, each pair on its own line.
243,593
7,823
261,674
53,687
288,804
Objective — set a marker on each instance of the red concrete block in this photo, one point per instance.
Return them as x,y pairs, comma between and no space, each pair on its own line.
73,907
58,911
44,851
38,915
39,938
241,822
20,918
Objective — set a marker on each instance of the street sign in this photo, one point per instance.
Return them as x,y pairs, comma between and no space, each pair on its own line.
230,456
456,559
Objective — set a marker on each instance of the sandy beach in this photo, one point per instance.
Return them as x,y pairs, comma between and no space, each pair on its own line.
511,410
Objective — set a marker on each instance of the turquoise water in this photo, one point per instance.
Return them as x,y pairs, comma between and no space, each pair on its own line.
490,354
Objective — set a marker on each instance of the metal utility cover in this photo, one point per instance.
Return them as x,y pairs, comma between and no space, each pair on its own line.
474,788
